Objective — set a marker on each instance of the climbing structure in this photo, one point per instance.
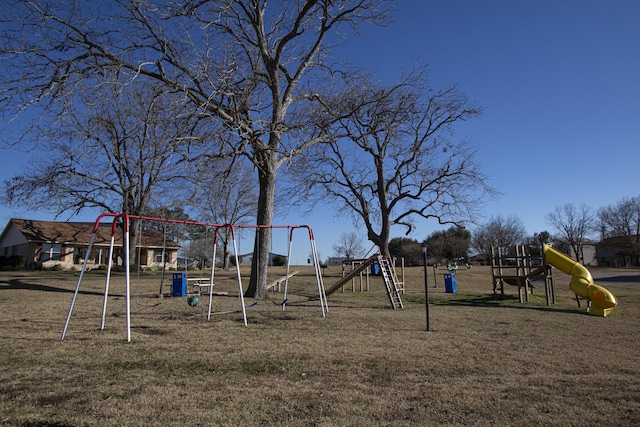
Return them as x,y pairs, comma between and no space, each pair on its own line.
521,269
517,267
390,278
393,286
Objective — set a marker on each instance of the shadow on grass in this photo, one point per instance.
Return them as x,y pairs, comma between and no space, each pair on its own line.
619,279
495,301
18,284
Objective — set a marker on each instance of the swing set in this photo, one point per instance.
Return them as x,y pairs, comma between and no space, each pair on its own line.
124,220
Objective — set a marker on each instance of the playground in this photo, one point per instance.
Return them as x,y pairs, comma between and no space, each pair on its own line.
489,359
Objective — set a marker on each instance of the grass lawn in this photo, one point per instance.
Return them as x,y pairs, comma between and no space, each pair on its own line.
487,361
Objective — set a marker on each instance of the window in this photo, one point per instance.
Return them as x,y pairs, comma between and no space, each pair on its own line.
167,256
142,256
78,255
51,252
97,256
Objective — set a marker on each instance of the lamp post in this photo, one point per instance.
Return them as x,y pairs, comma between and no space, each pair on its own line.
426,286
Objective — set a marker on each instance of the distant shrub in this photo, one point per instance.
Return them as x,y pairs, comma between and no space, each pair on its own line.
279,261
13,262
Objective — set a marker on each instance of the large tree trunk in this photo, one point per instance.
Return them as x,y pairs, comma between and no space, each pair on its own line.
134,236
258,281
225,253
380,239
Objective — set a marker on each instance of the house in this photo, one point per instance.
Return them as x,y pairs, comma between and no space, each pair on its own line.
587,257
621,251
335,260
274,259
51,244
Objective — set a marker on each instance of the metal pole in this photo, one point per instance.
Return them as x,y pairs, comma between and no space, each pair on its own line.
426,287
435,275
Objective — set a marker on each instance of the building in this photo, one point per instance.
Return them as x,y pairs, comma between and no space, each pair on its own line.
588,256
336,260
274,259
621,251
51,244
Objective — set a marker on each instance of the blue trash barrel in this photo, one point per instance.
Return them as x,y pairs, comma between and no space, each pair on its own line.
450,283
179,288
375,269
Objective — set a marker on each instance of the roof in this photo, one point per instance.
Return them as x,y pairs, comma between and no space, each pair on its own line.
271,254
620,241
79,233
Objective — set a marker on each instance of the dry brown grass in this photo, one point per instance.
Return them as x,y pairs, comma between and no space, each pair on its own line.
487,361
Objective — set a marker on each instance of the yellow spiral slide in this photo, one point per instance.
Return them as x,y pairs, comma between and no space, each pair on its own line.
602,300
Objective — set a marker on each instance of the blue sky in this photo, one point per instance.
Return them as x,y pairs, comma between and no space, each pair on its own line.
560,84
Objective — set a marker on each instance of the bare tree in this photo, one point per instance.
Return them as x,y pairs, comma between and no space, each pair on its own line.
573,225
349,246
174,230
115,152
499,232
252,66
119,151
226,195
392,158
198,246
621,218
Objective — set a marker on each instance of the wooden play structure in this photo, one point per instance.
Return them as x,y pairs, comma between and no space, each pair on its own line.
277,284
393,286
363,283
518,267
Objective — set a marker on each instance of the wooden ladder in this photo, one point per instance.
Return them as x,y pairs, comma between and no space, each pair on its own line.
390,281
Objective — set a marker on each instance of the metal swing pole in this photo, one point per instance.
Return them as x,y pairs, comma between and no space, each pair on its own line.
127,275
316,262
75,294
213,267
164,257
235,250
84,268
286,273
109,266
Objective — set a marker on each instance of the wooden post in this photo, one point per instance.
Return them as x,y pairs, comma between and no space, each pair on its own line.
527,272
500,272
367,280
353,280
493,270
547,285
402,266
